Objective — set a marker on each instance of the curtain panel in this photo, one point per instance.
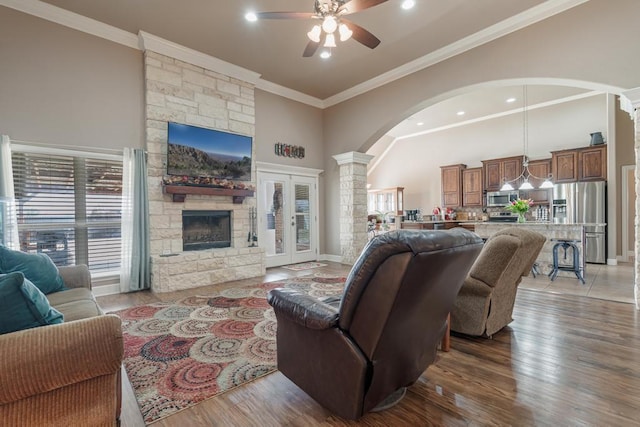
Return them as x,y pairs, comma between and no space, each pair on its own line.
135,273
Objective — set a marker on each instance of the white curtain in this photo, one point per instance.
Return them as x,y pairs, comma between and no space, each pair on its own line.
8,218
135,266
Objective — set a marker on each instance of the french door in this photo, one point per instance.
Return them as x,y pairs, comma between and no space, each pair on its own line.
287,218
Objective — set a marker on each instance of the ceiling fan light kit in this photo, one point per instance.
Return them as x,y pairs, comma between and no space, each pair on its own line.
332,13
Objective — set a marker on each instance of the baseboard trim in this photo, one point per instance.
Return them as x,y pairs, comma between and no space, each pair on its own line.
330,257
612,261
100,291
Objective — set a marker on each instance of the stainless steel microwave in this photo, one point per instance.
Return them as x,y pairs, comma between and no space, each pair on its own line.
501,198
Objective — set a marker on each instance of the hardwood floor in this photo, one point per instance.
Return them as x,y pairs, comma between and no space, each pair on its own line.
565,360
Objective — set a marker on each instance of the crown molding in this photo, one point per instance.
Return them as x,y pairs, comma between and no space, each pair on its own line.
353,157
73,20
185,54
501,29
287,169
630,101
276,89
147,41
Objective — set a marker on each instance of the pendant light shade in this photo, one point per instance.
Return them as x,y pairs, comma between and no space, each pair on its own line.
526,173
506,187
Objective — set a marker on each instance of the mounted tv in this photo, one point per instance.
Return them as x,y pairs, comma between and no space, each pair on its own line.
206,153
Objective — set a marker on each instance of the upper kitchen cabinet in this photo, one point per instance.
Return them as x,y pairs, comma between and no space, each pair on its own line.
592,163
472,187
452,185
497,171
386,200
541,169
579,164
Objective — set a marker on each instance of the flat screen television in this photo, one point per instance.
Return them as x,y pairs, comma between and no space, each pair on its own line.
198,152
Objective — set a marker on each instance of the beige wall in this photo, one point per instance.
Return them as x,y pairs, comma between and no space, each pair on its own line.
625,155
560,49
66,87
60,86
289,122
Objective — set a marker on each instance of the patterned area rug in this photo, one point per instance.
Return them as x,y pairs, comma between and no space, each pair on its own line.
304,266
179,354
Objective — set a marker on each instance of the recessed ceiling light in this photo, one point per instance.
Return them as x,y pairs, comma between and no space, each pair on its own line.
420,123
510,100
251,17
325,54
460,113
408,4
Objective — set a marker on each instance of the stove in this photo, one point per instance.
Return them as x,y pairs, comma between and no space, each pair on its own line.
503,217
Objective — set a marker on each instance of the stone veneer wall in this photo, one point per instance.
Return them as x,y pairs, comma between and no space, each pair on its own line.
184,93
353,204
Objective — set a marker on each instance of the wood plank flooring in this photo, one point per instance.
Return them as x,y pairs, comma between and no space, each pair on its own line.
566,360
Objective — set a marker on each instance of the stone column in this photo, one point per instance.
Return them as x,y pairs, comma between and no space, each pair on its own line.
630,102
353,204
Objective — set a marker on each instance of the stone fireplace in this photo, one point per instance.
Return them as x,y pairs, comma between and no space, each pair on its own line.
190,250
206,230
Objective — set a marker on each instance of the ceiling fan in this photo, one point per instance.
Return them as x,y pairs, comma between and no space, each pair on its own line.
331,13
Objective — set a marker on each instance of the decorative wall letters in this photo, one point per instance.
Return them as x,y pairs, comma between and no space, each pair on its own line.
287,150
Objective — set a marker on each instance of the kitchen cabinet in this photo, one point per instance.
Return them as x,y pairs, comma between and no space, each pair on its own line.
444,225
592,163
497,171
564,166
452,185
542,169
472,187
386,200
579,164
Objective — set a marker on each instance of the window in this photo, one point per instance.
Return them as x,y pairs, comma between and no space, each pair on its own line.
69,206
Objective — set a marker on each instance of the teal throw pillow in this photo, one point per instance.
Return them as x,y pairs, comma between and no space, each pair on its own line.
37,268
23,306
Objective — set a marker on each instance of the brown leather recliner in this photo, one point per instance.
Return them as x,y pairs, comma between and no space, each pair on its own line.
485,302
390,320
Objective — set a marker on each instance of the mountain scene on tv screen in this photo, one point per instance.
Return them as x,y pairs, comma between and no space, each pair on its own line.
190,161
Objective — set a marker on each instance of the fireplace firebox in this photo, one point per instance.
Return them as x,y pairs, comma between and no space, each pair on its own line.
205,230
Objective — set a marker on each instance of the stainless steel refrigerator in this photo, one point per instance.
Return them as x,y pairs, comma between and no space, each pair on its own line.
584,203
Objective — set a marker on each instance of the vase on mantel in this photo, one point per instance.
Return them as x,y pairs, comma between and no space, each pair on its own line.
521,217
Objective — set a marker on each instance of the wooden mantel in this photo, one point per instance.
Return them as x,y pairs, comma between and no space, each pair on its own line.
179,192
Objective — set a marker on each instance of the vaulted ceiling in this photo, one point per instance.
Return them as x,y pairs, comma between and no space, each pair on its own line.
410,39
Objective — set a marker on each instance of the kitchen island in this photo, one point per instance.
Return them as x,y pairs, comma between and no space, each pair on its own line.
444,224
550,231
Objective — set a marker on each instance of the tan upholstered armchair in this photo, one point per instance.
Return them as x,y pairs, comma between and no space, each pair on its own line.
66,374
389,322
485,302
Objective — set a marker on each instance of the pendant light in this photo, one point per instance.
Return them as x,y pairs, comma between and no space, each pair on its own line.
526,174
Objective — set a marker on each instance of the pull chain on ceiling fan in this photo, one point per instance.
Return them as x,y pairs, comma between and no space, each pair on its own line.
331,13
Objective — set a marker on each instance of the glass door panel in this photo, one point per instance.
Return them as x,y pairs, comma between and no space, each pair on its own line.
287,217
302,217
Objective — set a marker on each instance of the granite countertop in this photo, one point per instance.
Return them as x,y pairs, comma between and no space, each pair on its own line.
545,223
466,221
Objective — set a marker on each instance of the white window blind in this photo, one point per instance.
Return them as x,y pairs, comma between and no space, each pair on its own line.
69,207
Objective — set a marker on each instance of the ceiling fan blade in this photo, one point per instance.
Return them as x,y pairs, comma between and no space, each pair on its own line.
285,15
361,35
311,49
357,5
312,46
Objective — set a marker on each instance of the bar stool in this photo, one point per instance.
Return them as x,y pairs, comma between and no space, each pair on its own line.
575,267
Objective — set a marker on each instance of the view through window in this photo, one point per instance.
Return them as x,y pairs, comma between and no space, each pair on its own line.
69,207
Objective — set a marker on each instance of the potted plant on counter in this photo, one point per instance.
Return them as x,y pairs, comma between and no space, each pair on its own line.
521,207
